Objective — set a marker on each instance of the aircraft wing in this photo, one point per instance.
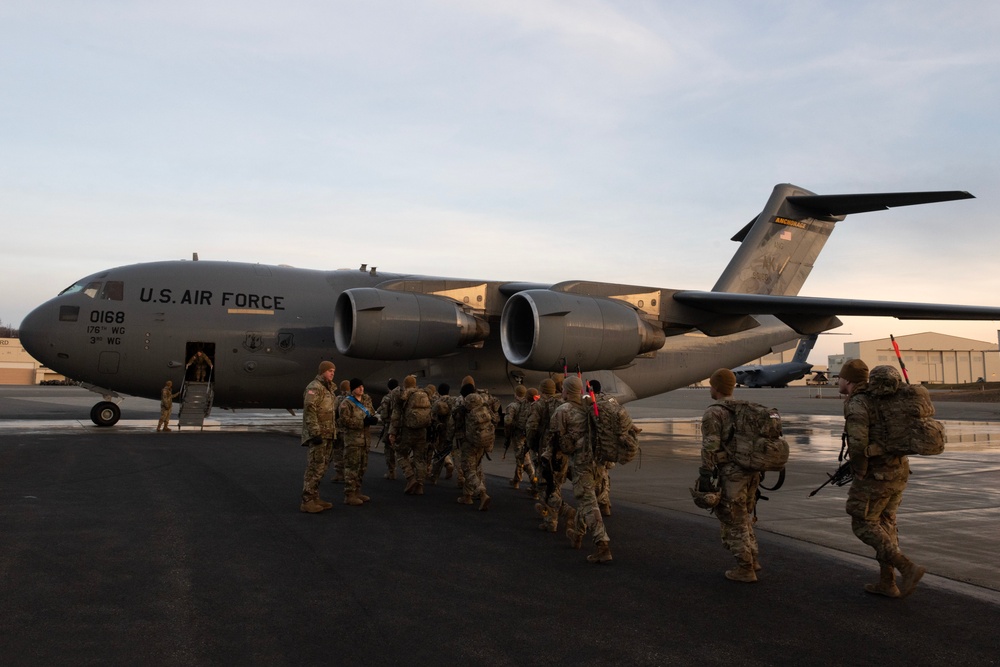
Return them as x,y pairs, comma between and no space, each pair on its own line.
808,315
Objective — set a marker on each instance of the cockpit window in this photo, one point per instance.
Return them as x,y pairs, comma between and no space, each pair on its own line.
90,289
113,290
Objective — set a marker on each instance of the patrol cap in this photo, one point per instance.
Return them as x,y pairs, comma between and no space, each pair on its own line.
723,381
345,385
356,382
325,366
547,386
468,380
854,371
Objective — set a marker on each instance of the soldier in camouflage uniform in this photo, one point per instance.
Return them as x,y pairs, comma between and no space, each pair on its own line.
442,458
515,420
410,443
337,457
319,430
355,416
201,364
167,397
571,429
738,485
603,469
385,416
548,457
476,442
879,480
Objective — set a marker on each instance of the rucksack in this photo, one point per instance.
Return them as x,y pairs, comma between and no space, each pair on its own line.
479,427
905,424
417,410
617,438
756,442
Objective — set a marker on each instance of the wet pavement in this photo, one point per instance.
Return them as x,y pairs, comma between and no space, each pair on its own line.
122,545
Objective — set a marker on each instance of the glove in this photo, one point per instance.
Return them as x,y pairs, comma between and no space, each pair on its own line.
316,440
705,483
371,420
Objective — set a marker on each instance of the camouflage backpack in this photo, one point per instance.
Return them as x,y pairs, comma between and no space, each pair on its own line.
479,427
417,410
617,438
756,442
905,423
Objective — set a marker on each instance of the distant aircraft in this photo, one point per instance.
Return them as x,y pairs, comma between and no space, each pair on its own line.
266,328
778,375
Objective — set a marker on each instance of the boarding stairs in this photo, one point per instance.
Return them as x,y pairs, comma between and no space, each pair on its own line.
196,405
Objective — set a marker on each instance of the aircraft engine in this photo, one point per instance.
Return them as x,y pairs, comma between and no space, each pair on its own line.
540,328
386,325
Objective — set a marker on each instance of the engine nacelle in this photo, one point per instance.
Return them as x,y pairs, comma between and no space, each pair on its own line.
539,329
380,324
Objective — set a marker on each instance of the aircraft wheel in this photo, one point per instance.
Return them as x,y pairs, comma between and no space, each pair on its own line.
105,413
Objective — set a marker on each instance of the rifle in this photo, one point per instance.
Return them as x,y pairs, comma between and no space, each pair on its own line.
843,475
506,445
385,427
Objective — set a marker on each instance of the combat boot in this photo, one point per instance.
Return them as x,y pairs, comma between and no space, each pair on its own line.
575,538
742,573
602,555
166,428
484,502
391,474
606,509
886,583
411,484
363,497
325,505
910,574
419,490
311,507
465,499
353,499
514,483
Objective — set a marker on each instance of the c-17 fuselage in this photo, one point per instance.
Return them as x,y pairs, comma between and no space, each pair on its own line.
267,328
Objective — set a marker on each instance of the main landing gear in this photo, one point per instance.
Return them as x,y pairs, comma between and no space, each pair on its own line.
105,413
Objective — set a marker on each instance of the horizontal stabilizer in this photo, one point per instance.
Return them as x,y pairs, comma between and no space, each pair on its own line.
728,303
838,205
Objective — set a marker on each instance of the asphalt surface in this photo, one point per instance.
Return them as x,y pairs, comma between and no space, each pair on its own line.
123,546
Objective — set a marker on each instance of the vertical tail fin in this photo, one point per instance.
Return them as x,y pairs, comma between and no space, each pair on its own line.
779,247
804,348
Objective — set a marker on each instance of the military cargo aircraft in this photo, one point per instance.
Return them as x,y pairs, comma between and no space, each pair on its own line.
777,375
266,328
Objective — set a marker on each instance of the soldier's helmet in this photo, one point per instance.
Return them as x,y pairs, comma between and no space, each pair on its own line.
883,380
706,500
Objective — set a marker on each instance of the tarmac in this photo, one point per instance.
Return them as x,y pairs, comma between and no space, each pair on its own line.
122,545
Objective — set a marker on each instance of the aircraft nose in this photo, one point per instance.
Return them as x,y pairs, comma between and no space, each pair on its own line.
36,332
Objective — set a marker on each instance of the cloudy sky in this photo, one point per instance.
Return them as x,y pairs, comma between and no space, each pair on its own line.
539,140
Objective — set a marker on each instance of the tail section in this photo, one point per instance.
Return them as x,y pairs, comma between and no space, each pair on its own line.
779,247
804,348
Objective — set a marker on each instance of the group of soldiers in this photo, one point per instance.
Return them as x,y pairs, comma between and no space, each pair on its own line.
549,430
879,478
427,432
